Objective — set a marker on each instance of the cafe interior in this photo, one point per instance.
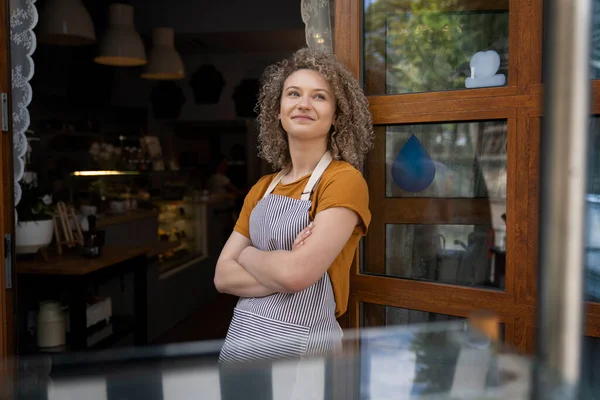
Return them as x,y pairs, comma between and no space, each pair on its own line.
135,142
142,133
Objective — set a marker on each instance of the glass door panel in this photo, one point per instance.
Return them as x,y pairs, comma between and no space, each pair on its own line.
447,160
591,364
592,248
426,46
453,254
444,203
372,315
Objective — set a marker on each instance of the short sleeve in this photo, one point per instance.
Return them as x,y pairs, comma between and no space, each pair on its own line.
346,189
242,226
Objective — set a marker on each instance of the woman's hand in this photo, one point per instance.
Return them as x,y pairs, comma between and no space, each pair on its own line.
302,236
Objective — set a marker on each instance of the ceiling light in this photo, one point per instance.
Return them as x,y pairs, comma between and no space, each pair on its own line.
121,45
165,62
66,23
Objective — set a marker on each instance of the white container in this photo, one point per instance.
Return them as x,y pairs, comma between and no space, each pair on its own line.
51,325
30,236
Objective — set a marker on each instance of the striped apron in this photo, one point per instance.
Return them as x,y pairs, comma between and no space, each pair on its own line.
283,325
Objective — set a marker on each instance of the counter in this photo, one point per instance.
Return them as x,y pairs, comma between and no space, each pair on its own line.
69,279
429,361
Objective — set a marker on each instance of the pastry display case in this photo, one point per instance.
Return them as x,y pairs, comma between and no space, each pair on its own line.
182,228
180,213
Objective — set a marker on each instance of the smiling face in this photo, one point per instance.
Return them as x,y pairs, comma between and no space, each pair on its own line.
307,106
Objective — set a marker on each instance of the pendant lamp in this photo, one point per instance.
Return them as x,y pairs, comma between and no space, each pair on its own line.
66,23
165,62
121,45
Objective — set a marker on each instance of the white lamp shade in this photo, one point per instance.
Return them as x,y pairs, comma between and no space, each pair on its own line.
165,62
66,23
121,45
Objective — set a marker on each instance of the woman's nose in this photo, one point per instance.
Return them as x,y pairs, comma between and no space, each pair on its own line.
304,103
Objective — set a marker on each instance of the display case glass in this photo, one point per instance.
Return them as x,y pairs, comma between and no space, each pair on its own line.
182,226
448,360
180,212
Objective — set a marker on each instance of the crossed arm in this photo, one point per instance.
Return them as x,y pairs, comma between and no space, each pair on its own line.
231,277
245,271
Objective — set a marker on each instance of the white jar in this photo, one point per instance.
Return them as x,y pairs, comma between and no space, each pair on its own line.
50,325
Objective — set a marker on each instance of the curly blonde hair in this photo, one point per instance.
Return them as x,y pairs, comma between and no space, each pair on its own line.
351,136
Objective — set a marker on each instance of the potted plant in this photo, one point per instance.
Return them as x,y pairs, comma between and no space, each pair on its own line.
35,224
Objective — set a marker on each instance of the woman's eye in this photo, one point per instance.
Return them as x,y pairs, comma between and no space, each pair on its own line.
320,97
293,93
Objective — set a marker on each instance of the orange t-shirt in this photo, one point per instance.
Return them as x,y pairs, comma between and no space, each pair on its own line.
341,185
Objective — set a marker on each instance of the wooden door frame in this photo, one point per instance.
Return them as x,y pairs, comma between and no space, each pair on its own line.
515,305
7,331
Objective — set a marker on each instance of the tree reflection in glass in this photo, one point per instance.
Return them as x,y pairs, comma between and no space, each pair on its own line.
423,46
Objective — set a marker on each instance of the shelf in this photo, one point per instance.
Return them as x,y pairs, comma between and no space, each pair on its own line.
107,335
163,247
99,337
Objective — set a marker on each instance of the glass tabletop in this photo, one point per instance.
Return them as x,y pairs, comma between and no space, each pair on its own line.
448,360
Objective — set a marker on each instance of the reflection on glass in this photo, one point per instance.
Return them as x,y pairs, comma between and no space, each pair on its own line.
592,237
91,388
470,255
463,159
595,42
422,45
373,315
591,365
419,362
417,365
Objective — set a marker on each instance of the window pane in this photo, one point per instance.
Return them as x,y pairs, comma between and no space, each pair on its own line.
374,315
448,160
591,365
423,46
592,246
378,315
472,255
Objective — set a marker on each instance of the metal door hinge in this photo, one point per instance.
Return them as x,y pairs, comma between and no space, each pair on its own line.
8,260
4,101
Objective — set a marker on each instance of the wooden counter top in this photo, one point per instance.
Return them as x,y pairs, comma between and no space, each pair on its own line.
74,264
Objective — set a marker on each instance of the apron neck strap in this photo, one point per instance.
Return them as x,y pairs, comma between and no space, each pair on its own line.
276,181
312,181
316,175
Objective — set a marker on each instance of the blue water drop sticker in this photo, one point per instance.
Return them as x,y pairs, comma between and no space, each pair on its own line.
413,169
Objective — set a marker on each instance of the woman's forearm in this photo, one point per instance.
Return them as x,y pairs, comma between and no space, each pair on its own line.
269,268
232,278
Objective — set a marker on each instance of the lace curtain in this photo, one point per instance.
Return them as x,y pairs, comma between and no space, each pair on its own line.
317,17
23,18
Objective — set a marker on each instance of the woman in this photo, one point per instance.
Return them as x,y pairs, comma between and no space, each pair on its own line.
289,256
219,183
